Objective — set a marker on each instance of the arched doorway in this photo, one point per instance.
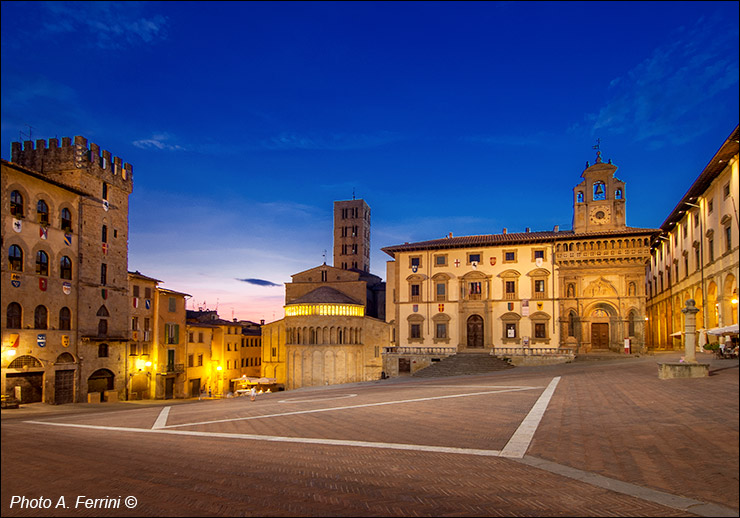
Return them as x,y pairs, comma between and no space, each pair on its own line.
100,381
600,328
475,332
28,386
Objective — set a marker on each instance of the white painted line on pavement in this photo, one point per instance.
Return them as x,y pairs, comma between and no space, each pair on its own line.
161,421
332,409
519,442
273,438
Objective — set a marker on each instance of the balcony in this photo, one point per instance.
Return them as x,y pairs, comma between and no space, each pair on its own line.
171,368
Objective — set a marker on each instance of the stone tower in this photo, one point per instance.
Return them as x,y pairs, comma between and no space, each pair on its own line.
352,235
102,265
599,200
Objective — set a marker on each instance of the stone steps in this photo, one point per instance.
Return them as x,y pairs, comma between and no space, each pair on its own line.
463,364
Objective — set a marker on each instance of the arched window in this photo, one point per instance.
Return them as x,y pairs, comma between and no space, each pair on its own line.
599,191
66,220
103,351
572,323
65,268
14,316
631,324
579,197
15,258
42,212
103,328
102,312
40,318
16,204
65,319
42,263
618,194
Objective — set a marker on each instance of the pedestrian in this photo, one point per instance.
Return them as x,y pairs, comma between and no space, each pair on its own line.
253,393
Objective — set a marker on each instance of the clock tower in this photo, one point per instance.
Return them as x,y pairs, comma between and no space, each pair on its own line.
598,201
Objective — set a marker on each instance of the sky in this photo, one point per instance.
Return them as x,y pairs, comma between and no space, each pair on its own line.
245,121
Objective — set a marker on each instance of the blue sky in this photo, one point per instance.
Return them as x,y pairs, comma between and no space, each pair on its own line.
245,121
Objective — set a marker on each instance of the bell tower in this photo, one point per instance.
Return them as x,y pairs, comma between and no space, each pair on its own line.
599,200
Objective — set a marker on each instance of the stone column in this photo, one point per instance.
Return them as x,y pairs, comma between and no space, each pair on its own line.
690,312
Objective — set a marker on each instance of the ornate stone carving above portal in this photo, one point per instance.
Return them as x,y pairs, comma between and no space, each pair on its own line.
600,288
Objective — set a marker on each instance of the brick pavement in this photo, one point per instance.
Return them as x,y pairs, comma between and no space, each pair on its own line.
613,436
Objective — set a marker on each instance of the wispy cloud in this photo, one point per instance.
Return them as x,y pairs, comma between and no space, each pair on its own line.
333,141
158,141
259,282
659,99
107,25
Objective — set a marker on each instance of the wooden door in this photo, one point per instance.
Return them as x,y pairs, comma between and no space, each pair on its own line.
600,336
475,332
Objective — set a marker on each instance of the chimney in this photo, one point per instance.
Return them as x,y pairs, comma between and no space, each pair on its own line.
450,236
262,322
527,229
556,228
504,232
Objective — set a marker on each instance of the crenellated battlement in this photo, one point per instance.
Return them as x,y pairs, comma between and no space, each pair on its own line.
54,160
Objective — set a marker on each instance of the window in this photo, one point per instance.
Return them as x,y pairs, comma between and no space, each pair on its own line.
441,330
710,249
473,258
440,260
572,323
103,274
102,312
102,327
105,191
191,360
415,292
200,338
510,256
685,230
172,304
728,238
103,351
415,262
65,319
415,331
441,291
686,263
136,291
599,191
134,323
42,263
539,254
540,330
510,287
40,318
200,360
539,286
695,215
42,212
65,267
474,290
710,206
510,330
133,350
618,194
579,197
14,314
726,190
147,293
16,204
697,254
172,334
15,258
104,234
66,220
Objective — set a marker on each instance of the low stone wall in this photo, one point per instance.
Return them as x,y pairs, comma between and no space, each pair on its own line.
671,370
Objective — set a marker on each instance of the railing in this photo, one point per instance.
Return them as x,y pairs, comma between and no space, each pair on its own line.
532,351
170,368
420,350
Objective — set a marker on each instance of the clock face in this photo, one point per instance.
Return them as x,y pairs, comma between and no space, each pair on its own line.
600,215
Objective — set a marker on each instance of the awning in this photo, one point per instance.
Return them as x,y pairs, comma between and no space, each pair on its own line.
726,330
